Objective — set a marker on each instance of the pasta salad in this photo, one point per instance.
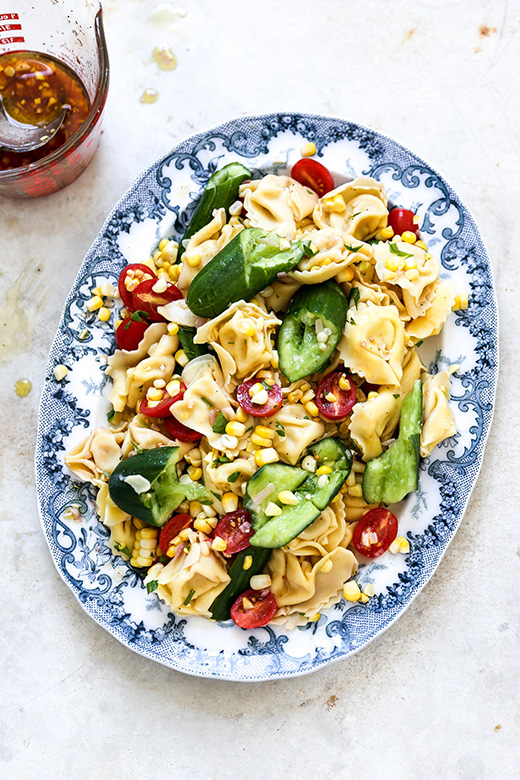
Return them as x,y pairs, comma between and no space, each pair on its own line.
268,400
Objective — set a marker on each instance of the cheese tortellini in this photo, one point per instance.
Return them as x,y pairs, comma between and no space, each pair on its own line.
356,209
277,203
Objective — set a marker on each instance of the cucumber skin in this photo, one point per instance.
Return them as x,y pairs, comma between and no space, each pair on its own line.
326,301
220,192
241,270
394,474
240,578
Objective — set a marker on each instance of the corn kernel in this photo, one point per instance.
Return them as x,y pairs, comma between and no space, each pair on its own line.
260,441
308,149
229,502
386,233
288,497
351,591
409,237
234,428
392,263
247,328
420,243
156,255
149,533
261,397
194,473
248,562
256,388
355,490
193,259
201,524
174,272
338,204
241,415
372,394
344,383
246,603
309,464
309,395
312,409
173,328
294,396
369,589
272,510
315,617
404,545
60,372
163,243
195,508
267,455
173,388
323,470
260,581
262,430
461,301
346,275
219,544
363,598
412,274
94,303
181,358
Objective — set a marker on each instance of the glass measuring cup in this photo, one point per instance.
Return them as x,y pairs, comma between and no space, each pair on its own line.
72,32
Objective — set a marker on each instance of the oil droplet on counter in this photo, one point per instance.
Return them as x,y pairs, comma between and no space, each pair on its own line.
22,388
149,96
163,56
25,298
165,14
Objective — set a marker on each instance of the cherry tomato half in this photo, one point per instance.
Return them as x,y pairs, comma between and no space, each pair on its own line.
146,299
344,399
179,431
375,532
173,527
271,406
236,530
131,331
313,174
401,220
135,272
262,611
163,406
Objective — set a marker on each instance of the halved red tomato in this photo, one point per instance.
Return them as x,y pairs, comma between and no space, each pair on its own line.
313,174
179,431
131,331
333,401
375,532
401,220
236,530
254,608
162,408
146,299
130,277
271,406
173,527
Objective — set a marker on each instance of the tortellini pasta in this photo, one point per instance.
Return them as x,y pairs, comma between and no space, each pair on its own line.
430,323
95,456
277,203
373,421
330,256
409,267
438,418
294,431
356,209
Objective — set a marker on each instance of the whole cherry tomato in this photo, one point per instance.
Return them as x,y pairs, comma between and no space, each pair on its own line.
262,609
401,220
146,299
236,530
173,527
375,532
131,330
179,431
130,277
162,408
344,399
313,174
271,406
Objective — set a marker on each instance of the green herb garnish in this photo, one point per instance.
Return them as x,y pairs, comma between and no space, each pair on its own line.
207,401
307,251
136,316
151,586
396,251
189,597
234,476
219,426
221,459
280,430
136,448
119,547
354,295
111,415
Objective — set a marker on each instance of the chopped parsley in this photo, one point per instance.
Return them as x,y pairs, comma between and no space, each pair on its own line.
189,597
234,476
307,251
280,430
351,248
352,321
111,415
221,459
136,448
136,316
151,586
119,547
207,401
164,559
353,296
396,251
219,426
397,395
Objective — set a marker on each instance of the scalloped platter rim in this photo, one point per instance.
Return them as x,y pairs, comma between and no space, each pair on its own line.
158,205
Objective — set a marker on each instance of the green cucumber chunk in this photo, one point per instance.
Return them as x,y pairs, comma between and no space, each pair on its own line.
156,503
395,473
220,192
239,580
277,531
248,264
300,352
186,336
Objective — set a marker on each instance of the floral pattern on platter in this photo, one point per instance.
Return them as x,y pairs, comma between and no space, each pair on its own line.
159,205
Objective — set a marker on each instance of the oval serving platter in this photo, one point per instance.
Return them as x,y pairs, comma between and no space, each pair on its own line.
158,205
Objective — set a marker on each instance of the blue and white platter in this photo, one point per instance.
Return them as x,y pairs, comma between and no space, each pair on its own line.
159,205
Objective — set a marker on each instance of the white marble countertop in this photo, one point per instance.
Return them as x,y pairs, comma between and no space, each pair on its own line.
436,696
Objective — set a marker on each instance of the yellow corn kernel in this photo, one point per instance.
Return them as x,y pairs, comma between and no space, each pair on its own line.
117,323
364,267
164,242
256,388
173,328
272,509
241,415
308,149
363,598
392,263
262,430
246,603
194,473
412,274
351,591
308,396
260,441
247,328
409,237
315,617
312,409
274,360
229,502
346,275
338,204
294,396
461,301
173,387
260,581
149,533
193,259
201,524
60,372
344,428
404,545
372,394
248,562
420,243
219,544
251,447
410,262
175,271
156,255
369,590
265,456
154,394
234,428
344,383
386,233
103,314
287,497
195,508
94,303
323,470
355,490
181,358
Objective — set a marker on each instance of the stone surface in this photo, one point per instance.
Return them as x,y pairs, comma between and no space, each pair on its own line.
437,696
